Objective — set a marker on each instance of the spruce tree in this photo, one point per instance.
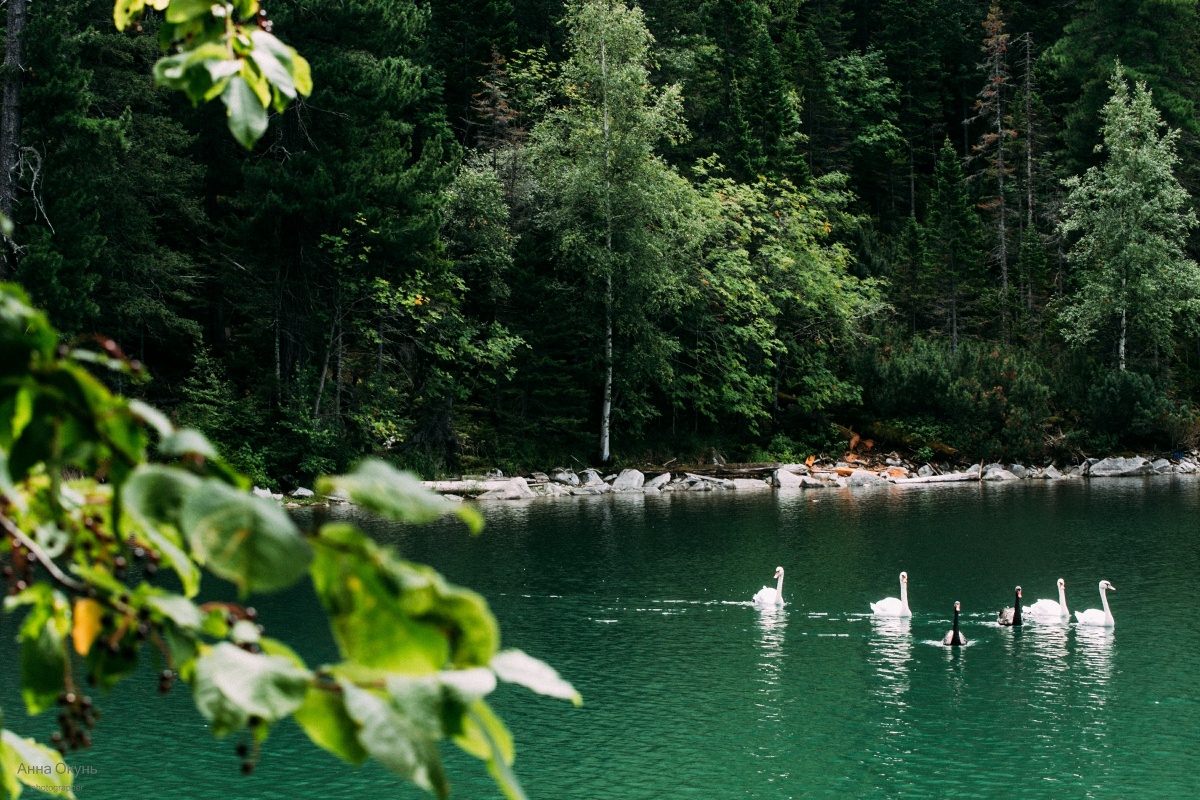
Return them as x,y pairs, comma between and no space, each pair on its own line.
954,247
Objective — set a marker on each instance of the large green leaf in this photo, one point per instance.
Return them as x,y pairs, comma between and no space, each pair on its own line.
232,685
395,740
243,538
43,636
381,488
364,606
34,765
247,116
323,717
514,666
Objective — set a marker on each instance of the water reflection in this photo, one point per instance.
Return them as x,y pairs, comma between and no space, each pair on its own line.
772,623
891,650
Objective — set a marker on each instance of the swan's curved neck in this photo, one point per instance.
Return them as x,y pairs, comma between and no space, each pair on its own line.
1016,609
1104,601
779,586
1062,599
904,594
956,623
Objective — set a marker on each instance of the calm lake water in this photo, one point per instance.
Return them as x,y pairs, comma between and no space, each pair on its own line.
690,692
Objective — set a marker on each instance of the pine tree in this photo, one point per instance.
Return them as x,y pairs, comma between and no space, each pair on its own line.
954,251
993,111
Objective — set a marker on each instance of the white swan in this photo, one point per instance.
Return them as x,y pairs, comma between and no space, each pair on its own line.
1050,610
1094,616
890,606
766,596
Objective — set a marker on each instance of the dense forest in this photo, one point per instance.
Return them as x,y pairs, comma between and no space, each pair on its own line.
520,233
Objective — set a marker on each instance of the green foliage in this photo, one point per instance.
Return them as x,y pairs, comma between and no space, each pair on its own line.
417,652
224,50
1134,283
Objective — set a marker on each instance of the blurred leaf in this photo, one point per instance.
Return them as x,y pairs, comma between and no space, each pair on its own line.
180,610
43,636
242,538
188,441
515,666
323,717
394,741
379,487
43,767
232,685
247,116
86,624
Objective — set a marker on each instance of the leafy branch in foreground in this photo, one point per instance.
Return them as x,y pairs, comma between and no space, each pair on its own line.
226,50
84,557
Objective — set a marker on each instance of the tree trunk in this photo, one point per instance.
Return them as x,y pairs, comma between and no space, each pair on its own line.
606,408
325,368
1121,343
337,393
10,121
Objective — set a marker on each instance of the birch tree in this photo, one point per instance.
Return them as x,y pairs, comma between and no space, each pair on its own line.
613,206
1133,281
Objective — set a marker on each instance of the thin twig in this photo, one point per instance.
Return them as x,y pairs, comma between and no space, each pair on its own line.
41,555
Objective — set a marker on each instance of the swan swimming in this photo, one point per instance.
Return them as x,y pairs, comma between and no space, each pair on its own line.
766,596
1094,616
1049,609
890,606
954,638
1011,617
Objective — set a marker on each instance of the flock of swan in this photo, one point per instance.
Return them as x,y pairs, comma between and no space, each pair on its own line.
1042,610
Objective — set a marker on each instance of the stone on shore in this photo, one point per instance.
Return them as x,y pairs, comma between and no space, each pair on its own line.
262,492
925,471
1120,467
513,489
596,488
750,483
564,476
999,474
1051,473
1018,470
300,491
972,471
591,477
1160,466
1186,467
556,490
658,481
863,477
809,482
786,479
540,477
630,480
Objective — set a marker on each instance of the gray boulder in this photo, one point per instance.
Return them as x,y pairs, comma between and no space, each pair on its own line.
1120,467
300,491
514,489
809,482
556,490
596,488
1186,467
1160,466
591,477
785,479
658,481
989,467
750,483
1051,473
564,476
1018,470
999,475
925,471
262,492
540,477
972,471
862,477
629,480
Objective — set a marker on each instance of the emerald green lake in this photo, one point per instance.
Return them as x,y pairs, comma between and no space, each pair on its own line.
690,692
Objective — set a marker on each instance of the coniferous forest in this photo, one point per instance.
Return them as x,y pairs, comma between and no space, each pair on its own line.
517,233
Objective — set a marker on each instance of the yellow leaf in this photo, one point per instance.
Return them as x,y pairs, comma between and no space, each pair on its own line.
87,624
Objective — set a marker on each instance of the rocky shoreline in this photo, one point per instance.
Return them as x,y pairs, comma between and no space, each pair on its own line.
852,471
